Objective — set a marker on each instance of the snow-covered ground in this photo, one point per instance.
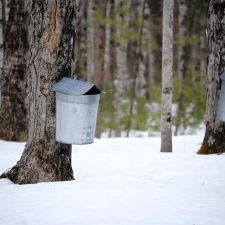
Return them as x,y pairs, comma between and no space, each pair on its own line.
121,182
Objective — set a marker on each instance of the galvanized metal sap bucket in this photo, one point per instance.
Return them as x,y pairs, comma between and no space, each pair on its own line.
76,111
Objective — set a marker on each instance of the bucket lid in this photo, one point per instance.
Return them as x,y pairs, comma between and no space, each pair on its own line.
70,86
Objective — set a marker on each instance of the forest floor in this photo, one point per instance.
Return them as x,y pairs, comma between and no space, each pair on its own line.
121,182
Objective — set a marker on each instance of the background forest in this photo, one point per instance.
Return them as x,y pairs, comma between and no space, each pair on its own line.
118,47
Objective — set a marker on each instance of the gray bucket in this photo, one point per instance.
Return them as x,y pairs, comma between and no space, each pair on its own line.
76,111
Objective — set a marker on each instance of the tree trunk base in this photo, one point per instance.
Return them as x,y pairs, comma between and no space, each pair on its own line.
213,142
41,164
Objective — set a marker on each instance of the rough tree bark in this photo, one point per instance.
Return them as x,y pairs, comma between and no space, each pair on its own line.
2,35
13,110
167,64
214,141
51,34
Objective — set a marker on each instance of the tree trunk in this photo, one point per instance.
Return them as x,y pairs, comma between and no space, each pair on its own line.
90,41
51,34
102,50
121,61
2,36
13,110
136,12
107,40
99,42
112,69
214,141
202,63
81,41
156,8
140,86
182,32
167,64
150,55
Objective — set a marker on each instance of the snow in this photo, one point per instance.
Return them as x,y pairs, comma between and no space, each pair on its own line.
121,181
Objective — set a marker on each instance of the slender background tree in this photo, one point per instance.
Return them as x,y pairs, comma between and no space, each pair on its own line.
167,66
13,108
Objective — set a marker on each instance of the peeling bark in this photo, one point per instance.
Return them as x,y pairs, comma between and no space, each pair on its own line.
51,36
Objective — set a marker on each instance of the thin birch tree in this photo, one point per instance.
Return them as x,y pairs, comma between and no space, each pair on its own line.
13,109
167,65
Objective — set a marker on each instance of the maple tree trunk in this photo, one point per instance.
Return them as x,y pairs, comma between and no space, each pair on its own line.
13,110
214,141
2,35
51,35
